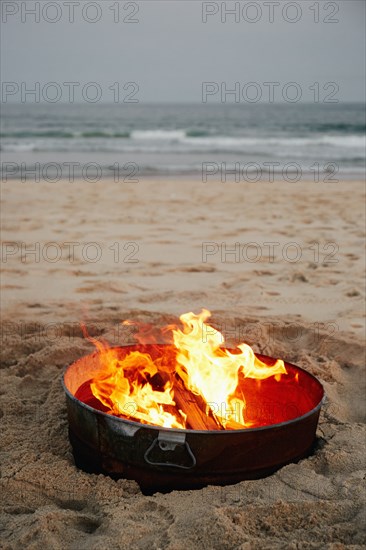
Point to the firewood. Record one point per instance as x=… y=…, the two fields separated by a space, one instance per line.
x=194 y=407
x=232 y=425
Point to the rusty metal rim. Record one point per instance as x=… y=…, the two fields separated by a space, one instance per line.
x=211 y=432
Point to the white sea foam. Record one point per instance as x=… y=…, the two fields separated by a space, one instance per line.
x=150 y=135
x=18 y=147
x=345 y=141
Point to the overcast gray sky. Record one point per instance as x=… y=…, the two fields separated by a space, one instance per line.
x=170 y=51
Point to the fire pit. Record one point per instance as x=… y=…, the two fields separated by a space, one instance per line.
x=189 y=413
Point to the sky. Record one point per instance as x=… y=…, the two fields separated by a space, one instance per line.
x=170 y=48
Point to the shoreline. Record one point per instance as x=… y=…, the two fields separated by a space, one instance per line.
x=76 y=167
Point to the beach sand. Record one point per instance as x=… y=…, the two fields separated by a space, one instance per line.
x=280 y=266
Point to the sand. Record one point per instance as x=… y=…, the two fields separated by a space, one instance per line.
x=307 y=309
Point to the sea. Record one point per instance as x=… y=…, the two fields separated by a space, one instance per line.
x=128 y=141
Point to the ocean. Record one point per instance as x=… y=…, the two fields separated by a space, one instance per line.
x=132 y=140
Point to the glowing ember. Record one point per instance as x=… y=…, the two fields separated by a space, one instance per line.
x=193 y=384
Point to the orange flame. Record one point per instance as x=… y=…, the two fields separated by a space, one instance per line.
x=213 y=372
x=145 y=389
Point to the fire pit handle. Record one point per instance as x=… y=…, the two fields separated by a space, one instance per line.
x=168 y=442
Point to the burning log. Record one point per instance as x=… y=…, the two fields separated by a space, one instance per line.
x=194 y=406
x=232 y=425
